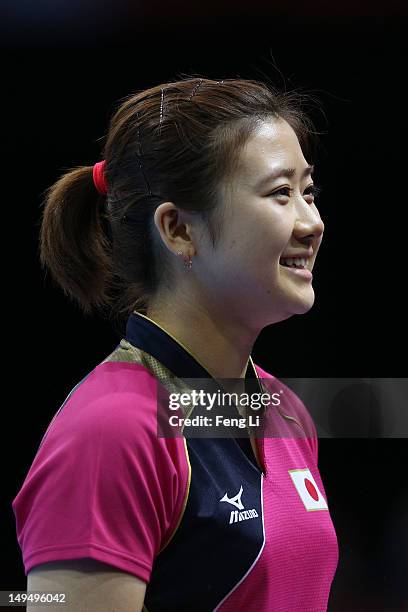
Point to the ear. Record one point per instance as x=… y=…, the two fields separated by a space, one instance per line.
x=174 y=228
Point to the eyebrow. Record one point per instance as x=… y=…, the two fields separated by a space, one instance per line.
x=286 y=172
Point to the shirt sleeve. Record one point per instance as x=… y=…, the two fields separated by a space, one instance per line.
x=103 y=485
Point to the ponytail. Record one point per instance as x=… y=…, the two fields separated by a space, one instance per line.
x=74 y=239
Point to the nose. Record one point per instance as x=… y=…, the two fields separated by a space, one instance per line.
x=311 y=229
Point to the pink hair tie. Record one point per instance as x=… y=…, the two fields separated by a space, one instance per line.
x=99 y=177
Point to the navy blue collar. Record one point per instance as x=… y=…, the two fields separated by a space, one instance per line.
x=146 y=334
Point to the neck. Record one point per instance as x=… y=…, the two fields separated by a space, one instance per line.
x=220 y=344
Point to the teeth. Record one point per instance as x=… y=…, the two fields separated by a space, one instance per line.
x=298 y=262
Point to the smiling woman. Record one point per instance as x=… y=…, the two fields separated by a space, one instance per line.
x=218 y=174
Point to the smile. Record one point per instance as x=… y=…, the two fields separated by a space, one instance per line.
x=296 y=262
x=301 y=272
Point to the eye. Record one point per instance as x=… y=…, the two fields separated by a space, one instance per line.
x=313 y=190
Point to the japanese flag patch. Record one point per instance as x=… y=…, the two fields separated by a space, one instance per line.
x=308 y=490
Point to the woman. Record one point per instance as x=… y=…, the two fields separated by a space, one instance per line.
x=205 y=230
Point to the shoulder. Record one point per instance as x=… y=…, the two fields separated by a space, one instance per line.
x=114 y=395
x=130 y=484
x=110 y=421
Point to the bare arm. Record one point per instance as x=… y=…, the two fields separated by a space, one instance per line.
x=89 y=585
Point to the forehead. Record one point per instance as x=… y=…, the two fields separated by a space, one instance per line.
x=273 y=144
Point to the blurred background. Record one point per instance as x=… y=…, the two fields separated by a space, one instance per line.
x=64 y=67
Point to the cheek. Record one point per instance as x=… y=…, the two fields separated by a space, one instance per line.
x=255 y=256
x=274 y=228
x=252 y=246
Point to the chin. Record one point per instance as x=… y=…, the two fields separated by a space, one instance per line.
x=301 y=304
x=303 y=307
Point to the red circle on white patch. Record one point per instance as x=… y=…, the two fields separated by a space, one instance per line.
x=311 y=489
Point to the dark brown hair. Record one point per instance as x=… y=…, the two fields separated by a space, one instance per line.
x=179 y=142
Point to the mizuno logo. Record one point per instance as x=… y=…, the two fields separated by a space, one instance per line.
x=235 y=501
x=236 y=516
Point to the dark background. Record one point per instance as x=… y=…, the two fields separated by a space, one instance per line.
x=64 y=66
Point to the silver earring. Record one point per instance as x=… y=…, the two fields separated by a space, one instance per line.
x=188 y=263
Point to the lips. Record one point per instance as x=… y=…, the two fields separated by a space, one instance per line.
x=299 y=254
x=300 y=272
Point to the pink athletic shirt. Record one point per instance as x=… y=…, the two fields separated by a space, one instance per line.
x=196 y=519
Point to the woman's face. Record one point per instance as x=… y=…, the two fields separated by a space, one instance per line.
x=265 y=219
